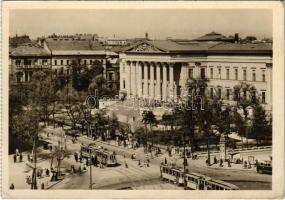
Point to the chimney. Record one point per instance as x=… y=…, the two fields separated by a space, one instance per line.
x=236 y=38
x=146 y=35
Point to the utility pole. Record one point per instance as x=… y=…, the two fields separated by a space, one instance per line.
x=90 y=184
x=34 y=175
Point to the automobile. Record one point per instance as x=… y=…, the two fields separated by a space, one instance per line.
x=264 y=167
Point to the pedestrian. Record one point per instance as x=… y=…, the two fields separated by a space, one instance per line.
x=221 y=163
x=215 y=160
x=229 y=163
x=21 y=157
x=15 y=158
x=79 y=169
x=17 y=152
x=12 y=187
x=139 y=163
x=165 y=161
x=245 y=164
x=43 y=186
x=126 y=165
x=80 y=159
x=47 y=172
x=75 y=156
x=47 y=134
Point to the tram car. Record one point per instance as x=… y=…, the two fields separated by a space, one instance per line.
x=196 y=181
x=172 y=174
x=192 y=180
x=214 y=184
x=103 y=156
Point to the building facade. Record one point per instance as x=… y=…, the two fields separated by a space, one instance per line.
x=25 y=59
x=160 y=69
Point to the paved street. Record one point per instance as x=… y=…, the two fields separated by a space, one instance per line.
x=135 y=177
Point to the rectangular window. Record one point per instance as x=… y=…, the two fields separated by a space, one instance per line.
x=203 y=73
x=142 y=72
x=253 y=76
x=212 y=93
x=61 y=62
x=67 y=71
x=263 y=76
x=220 y=73
x=228 y=94
x=85 y=62
x=211 y=72
x=124 y=69
x=220 y=93
x=67 y=62
x=244 y=74
x=263 y=97
x=18 y=62
x=124 y=84
x=90 y=62
x=228 y=74
x=190 y=73
x=44 y=62
x=55 y=62
x=27 y=62
x=236 y=74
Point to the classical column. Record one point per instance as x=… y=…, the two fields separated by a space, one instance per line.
x=145 y=90
x=128 y=79
x=122 y=63
x=171 y=81
x=139 y=79
x=158 y=82
x=164 y=81
x=151 y=87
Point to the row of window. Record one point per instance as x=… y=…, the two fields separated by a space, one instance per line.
x=228 y=75
x=67 y=62
x=218 y=93
x=31 y=61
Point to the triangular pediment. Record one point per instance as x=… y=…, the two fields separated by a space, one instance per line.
x=144 y=47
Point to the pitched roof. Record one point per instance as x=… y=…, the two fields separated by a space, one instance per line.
x=18 y=40
x=167 y=46
x=213 y=36
x=55 y=44
x=29 y=50
x=242 y=48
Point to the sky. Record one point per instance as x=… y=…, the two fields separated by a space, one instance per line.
x=159 y=24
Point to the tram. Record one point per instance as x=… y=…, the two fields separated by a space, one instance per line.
x=192 y=180
x=103 y=156
x=174 y=175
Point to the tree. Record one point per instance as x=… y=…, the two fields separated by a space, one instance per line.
x=261 y=126
x=148 y=118
x=246 y=98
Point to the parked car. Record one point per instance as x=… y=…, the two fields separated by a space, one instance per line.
x=264 y=167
